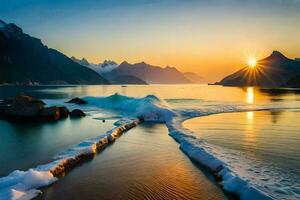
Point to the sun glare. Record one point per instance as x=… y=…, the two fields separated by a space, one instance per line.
x=252 y=62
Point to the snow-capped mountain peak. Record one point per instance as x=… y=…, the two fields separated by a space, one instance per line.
x=105 y=67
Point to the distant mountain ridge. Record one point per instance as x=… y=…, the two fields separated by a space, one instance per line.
x=149 y=73
x=106 y=66
x=140 y=73
x=275 y=70
x=25 y=60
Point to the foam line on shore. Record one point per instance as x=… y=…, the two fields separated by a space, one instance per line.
x=24 y=185
x=196 y=150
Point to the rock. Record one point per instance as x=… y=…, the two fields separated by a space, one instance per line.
x=21 y=107
x=63 y=112
x=77 y=113
x=5 y=102
x=50 y=114
x=77 y=101
x=25 y=108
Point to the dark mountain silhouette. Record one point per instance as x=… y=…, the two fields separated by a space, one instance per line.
x=83 y=61
x=25 y=59
x=275 y=70
x=149 y=73
x=293 y=82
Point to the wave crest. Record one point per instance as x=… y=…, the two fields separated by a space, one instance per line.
x=149 y=108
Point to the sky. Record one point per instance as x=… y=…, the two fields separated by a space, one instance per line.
x=211 y=38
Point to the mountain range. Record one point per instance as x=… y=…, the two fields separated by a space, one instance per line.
x=107 y=66
x=140 y=73
x=101 y=68
x=149 y=73
x=25 y=60
x=275 y=70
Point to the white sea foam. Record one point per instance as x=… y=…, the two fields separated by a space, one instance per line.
x=150 y=108
x=198 y=151
x=23 y=185
x=246 y=177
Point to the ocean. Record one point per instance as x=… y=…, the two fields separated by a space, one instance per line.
x=247 y=137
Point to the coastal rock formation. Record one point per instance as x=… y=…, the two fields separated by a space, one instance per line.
x=77 y=113
x=50 y=114
x=78 y=101
x=275 y=70
x=25 y=108
x=21 y=107
x=63 y=112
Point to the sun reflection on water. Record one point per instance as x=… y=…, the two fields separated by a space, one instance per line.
x=250 y=95
x=250 y=135
x=250 y=117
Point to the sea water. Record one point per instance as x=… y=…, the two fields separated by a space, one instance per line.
x=170 y=105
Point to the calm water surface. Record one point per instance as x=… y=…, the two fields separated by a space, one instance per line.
x=27 y=145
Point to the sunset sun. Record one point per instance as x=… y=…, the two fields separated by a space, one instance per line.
x=252 y=62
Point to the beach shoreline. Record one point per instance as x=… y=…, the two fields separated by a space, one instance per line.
x=147 y=170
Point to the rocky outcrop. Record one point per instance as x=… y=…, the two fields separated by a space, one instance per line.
x=77 y=113
x=25 y=108
x=78 y=101
x=50 y=114
x=63 y=112
x=21 y=107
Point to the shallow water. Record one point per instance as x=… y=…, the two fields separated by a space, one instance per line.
x=145 y=163
x=267 y=141
x=27 y=145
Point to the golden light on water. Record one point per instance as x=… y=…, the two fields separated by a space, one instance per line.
x=250 y=95
x=250 y=117
x=250 y=134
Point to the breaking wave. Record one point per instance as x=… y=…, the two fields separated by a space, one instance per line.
x=150 y=108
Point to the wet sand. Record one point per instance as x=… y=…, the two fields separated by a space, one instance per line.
x=144 y=163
